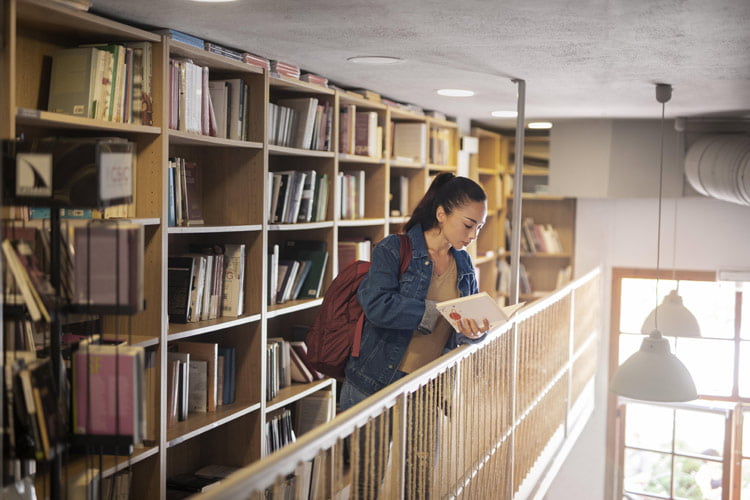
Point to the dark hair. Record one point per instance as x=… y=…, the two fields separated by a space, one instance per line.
x=448 y=191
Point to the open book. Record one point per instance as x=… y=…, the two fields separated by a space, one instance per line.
x=477 y=307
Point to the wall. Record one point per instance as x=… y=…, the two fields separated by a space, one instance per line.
x=622 y=233
x=620 y=159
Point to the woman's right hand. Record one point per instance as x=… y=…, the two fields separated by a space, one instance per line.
x=471 y=329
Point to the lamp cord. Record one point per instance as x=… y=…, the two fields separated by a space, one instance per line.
x=658 y=225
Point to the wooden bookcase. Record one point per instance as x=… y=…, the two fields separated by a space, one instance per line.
x=234 y=198
x=493 y=167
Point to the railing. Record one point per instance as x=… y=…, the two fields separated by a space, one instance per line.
x=492 y=420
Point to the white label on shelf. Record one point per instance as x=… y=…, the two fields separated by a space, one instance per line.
x=116 y=175
x=34 y=175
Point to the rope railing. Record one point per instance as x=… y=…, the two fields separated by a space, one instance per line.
x=483 y=421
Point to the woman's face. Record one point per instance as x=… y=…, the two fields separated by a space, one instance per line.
x=462 y=226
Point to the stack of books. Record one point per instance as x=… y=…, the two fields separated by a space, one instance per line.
x=281 y=68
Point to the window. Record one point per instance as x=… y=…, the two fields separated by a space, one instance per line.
x=691 y=450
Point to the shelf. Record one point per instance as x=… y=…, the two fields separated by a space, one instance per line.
x=179 y=331
x=214 y=61
x=541 y=255
x=399 y=114
x=46 y=16
x=406 y=164
x=111 y=464
x=441 y=123
x=489 y=257
x=38 y=118
x=303 y=226
x=199 y=423
x=401 y=219
x=292 y=306
x=194 y=139
x=441 y=168
x=360 y=222
x=214 y=229
x=275 y=150
x=346 y=98
x=295 y=392
x=489 y=171
x=293 y=85
x=543 y=197
x=345 y=158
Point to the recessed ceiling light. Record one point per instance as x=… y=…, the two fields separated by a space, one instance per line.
x=374 y=59
x=539 y=125
x=504 y=114
x=455 y=92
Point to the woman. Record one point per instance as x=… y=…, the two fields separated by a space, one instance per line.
x=403 y=329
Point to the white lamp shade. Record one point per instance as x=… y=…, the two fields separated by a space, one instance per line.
x=675 y=320
x=654 y=374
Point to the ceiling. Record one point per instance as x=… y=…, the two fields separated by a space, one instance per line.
x=579 y=58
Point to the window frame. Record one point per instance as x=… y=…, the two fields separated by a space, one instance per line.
x=615 y=439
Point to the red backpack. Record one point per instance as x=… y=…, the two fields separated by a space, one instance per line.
x=336 y=332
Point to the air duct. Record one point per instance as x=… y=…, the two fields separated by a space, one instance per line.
x=718 y=166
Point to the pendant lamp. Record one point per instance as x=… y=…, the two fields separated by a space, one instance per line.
x=675 y=320
x=654 y=373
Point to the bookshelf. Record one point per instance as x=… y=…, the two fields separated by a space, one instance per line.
x=235 y=205
x=546 y=267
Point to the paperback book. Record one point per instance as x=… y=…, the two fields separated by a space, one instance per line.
x=477 y=307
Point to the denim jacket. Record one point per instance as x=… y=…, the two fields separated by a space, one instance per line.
x=395 y=307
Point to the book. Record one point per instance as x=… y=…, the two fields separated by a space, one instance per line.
x=229 y=354
x=180 y=277
x=315 y=251
x=300 y=349
x=308 y=194
x=182 y=382
x=305 y=108
x=36 y=308
x=219 y=91
x=234 y=280
x=192 y=175
x=191 y=483
x=209 y=353
x=73 y=82
x=198 y=388
x=181 y=37
x=314 y=410
x=173 y=384
x=410 y=142
x=477 y=307
x=399 y=196
x=365 y=133
x=109 y=266
x=108 y=391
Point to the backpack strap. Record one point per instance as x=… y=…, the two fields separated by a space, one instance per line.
x=405 y=251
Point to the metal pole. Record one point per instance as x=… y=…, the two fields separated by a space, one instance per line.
x=515 y=243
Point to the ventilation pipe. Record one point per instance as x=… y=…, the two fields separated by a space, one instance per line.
x=718 y=166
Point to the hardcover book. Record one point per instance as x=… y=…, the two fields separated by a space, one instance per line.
x=108 y=391
x=108 y=268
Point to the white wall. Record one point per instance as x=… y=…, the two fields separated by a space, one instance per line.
x=711 y=234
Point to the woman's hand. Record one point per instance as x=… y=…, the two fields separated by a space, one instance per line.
x=470 y=329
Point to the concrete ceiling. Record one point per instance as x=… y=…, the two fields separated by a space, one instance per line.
x=579 y=58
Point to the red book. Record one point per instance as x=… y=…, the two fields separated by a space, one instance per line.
x=108 y=391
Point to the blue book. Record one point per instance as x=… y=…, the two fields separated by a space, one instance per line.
x=171 y=218
x=65 y=213
x=229 y=382
x=182 y=37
